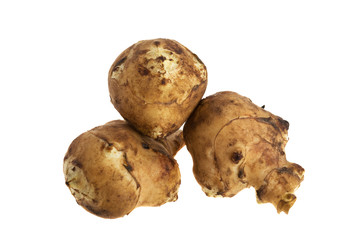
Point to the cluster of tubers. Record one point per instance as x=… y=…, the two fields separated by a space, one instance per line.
x=157 y=86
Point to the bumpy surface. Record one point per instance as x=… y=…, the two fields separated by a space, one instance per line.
x=236 y=144
x=156 y=84
x=112 y=169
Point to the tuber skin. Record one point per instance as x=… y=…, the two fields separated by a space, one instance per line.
x=235 y=145
x=112 y=169
x=156 y=84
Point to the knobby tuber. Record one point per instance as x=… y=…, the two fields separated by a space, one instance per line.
x=236 y=144
x=156 y=84
x=112 y=169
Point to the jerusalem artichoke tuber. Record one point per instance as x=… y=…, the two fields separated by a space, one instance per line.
x=236 y=144
x=156 y=84
x=113 y=169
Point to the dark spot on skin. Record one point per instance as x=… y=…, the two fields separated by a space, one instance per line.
x=261 y=192
x=171 y=59
x=285 y=170
x=142 y=51
x=145 y=145
x=268 y=120
x=163 y=81
x=174 y=125
x=232 y=142
x=236 y=157
x=118 y=63
x=241 y=173
x=217 y=110
x=109 y=147
x=161 y=58
x=77 y=163
x=173 y=47
x=167 y=168
x=220 y=193
x=143 y=71
x=128 y=167
x=67 y=183
x=157 y=43
x=263 y=106
x=178 y=50
x=197 y=58
x=73 y=169
x=283 y=123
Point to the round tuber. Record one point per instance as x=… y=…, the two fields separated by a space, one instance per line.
x=112 y=169
x=156 y=84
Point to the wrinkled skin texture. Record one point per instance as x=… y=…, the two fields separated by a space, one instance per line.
x=156 y=84
x=112 y=169
x=236 y=144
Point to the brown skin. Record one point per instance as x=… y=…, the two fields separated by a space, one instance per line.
x=236 y=144
x=156 y=84
x=113 y=169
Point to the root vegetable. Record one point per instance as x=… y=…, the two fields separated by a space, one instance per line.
x=156 y=84
x=236 y=144
x=112 y=169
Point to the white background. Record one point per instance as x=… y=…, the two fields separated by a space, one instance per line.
x=299 y=58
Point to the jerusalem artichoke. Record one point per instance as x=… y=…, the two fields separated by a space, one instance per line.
x=236 y=144
x=113 y=169
x=156 y=84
